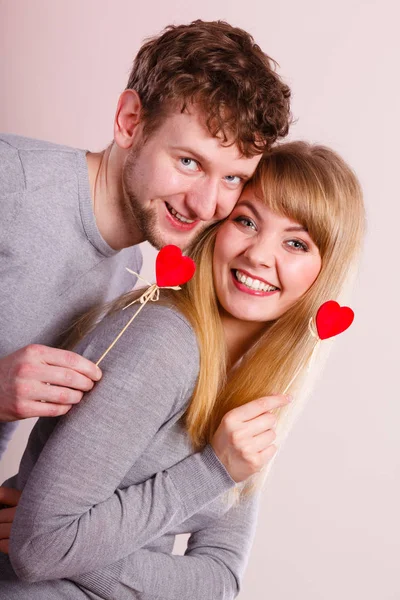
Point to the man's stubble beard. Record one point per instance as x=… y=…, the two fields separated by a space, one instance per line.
x=143 y=219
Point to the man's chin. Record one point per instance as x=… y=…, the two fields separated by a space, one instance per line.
x=159 y=242
x=182 y=240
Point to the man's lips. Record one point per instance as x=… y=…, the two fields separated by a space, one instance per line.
x=178 y=223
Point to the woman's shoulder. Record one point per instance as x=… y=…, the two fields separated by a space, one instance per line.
x=154 y=321
x=160 y=333
x=155 y=313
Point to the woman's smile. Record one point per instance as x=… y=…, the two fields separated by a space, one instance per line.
x=249 y=284
x=263 y=261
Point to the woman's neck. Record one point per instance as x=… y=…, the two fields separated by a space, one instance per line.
x=240 y=336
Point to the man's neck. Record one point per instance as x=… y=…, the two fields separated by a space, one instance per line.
x=108 y=201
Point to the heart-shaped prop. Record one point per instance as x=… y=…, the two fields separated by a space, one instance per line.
x=332 y=319
x=172 y=268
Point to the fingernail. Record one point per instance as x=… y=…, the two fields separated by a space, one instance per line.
x=289 y=397
x=98 y=373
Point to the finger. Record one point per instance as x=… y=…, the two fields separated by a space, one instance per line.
x=253 y=409
x=5 y=530
x=7 y=515
x=9 y=496
x=44 y=409
x=259 y=424
x=4 y=546
x=65 y=358
x=71 y=360
x=268 y=453
x=63 y=377
x=56 y=394
x=263 y=440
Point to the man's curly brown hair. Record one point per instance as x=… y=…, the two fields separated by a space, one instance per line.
x=220 y=68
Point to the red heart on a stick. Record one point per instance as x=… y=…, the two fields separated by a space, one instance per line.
x=332 y=319
x=172 y=268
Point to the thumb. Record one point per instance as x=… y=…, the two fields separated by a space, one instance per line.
x=9 y=496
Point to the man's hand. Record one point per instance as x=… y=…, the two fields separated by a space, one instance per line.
x=38 y=381
x=9 y=497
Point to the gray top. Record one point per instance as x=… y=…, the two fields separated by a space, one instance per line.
x=54 y=263
x=109 y=485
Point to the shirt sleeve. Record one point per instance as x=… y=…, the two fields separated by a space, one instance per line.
x=72 y=518
x=212 y=568
x=12 y=184
x=6 y=432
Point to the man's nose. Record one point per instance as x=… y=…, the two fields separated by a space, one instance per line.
x=202 y=199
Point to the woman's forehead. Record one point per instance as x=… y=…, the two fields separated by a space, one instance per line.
x=263 y=206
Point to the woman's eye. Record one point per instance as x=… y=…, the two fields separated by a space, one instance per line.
x=246 y=222
x=298 y=245
x=189 y=163
x=235 y=179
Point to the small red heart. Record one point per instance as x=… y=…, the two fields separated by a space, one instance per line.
x=332 y=319
x=172 y=268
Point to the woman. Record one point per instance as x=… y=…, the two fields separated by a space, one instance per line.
x=171 y=440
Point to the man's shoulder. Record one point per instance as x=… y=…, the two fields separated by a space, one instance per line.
x=10 y=142
x=27 y=163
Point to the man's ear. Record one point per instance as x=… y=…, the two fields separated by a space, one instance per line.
x=127 y=118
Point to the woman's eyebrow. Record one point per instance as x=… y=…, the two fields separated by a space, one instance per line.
x=249 y=205
x=297 y=228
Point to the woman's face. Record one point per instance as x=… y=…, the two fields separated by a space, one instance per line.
x=263 y=262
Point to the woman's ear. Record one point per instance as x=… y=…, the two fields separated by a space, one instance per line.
x=127 y=118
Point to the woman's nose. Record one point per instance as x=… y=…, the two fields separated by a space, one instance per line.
x=261 y=253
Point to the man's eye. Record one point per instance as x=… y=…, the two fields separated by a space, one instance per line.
x=246 y=222
x=298 y=245
x=189 y=163
x=235 y=179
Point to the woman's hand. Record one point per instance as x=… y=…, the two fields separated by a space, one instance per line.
x=9 y=497
x=243 y=440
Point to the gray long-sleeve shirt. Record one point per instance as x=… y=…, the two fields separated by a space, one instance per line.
x=108 y=487
x=54 y=263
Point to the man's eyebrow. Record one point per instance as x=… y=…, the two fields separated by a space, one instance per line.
x=186 y=150
x=204 y=160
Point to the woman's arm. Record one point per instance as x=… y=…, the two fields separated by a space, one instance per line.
x=211 y=569
x=71 y=517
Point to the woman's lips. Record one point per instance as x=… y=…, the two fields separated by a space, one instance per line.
x=243 y=288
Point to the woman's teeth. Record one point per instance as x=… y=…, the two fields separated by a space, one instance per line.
x=178 y=216
x=254 y=284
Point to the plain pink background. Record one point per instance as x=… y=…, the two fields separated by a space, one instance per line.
x=328 y=525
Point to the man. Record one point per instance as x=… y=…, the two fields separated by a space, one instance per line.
x=201 y=105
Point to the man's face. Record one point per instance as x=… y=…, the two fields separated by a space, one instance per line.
x=182 y=179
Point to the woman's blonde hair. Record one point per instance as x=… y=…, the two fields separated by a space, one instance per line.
x=312 y=185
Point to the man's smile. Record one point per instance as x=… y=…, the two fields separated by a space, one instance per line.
x=178 y=220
